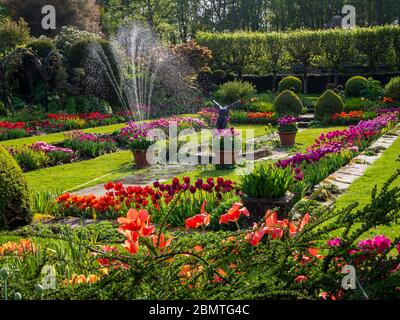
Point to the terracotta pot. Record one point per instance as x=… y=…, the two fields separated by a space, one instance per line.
x=259 y=206
x=225 y=158
x=140 y=158
x=288 y=139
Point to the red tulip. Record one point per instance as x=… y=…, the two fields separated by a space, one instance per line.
x=234 y=214
x=161 y=243
x=138 y=221
x=199 y=220
x=131 y=242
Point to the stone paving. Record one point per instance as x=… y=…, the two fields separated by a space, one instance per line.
x=344 y=177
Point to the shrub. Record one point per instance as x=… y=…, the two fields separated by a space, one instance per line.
x=92 y=104
x=12 y=34
x=15 y=207
x=288 y=102
x=266 y=181
x=354 y=104
x=355 y=86
x=373 y=91
x=290 y=83
x=235 y=90
x=392 y=89
x=329 y=103
x=42 y=46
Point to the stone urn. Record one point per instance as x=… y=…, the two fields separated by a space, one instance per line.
x=259 y=206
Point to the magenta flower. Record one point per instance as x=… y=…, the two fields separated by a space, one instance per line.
x=381 y=243
x=398 y=248
x=335 y=242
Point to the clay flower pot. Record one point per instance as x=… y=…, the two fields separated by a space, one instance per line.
x=141 y=158
x=288 y=139
x=226 y=158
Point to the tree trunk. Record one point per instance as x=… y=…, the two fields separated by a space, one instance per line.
x=305 y=80
x=274 y=76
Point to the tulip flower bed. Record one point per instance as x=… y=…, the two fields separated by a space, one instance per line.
x=41 y=155
x=210 y=115
x=356 y=138
x=277 y=259
x=135 y=129
x=180 y=199
x=59 y=123
x=89 y=145
x=241 y=117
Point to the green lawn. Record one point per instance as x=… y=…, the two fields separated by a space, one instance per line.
x=88 y=173
x=377 y=174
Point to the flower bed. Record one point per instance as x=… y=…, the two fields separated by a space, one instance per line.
x=299 y=257
x=180 y=199
x=59 y=123
x=41 y=155
x=241 y=117
x=136 y=129
x=89 y=145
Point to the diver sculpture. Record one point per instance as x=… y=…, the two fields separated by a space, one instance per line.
x=223 y=114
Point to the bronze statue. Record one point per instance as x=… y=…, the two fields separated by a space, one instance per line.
x=223 y=114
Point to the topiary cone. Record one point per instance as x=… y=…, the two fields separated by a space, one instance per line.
x=15 y=205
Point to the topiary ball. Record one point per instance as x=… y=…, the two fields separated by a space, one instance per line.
x=290 y=83
x=288 y=102
x=355 y=86
x=392 y=89
x=15 y=205
x=328 y=104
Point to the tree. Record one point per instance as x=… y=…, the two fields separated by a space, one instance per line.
x=303 y=47
x=338 y=49
x=83 y=14
x=12 y=34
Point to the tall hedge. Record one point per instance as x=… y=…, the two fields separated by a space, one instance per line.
x=15 y=206
x=253 y=52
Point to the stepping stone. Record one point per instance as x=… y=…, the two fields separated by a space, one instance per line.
x=354 y=169
x=367 y=159
x=340 y=185
x=344 y=178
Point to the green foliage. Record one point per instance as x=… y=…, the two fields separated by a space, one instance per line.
x=42 y=46
x=392 y=89
x=12 y=34
x=260 y=53
x=15 y=206
x=29 y=159
x=288 y=102
x=373 y=91
x=329 y=103
x=354 y=104
x=290 y=83
x=87 y=104
x=355 y=86
x=233 y=91
x=266 y=181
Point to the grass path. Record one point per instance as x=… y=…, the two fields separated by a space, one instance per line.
x=377 y=174
x=118 y=165
x=108 y=167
